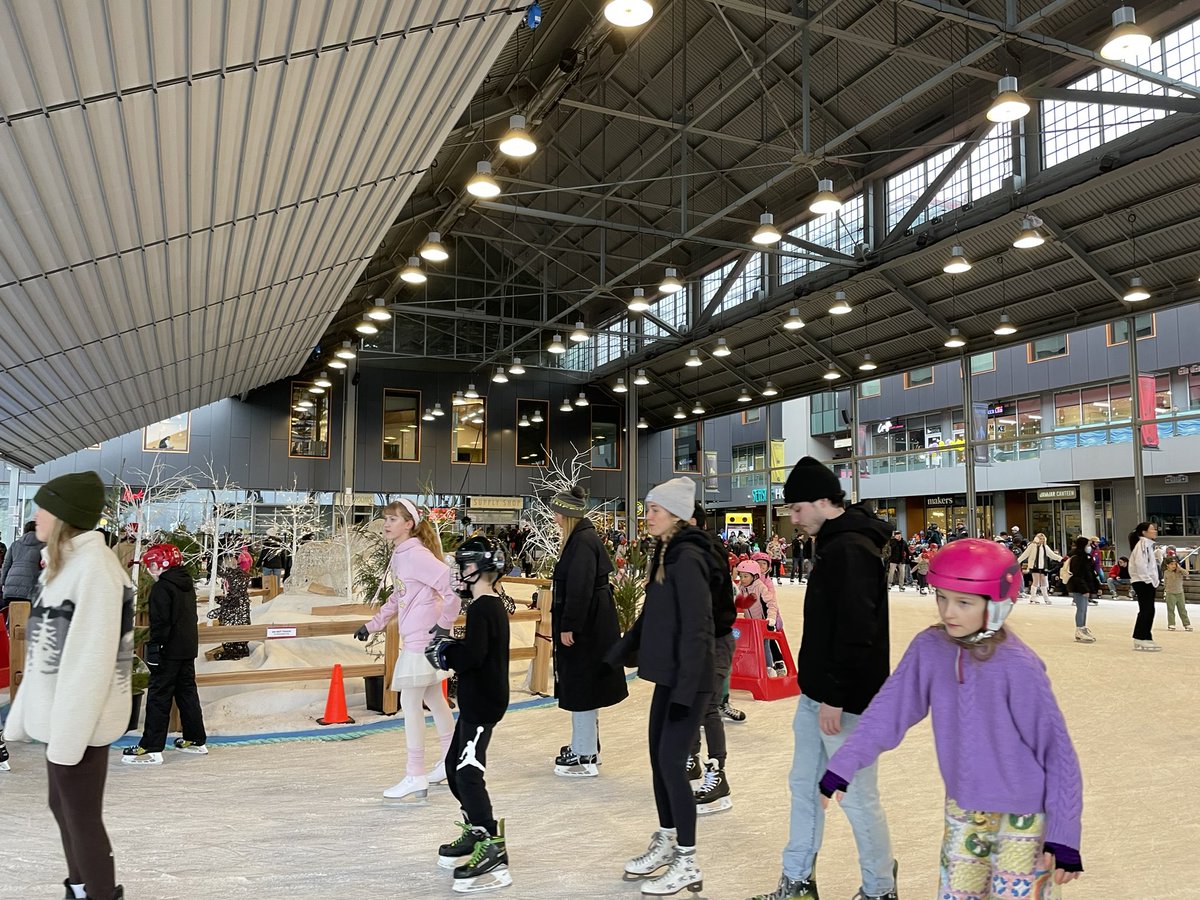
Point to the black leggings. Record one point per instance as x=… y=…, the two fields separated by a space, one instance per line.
x=1145 y=617
x=77 y=801
x=466 y=764
x=670 y=742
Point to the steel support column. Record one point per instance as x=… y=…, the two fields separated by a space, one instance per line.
x=855 y=477
x=631 y=457
x=1135 y=418
x=969 y=446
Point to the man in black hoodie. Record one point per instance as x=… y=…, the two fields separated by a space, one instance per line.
x=842 y=664
x=171 y=655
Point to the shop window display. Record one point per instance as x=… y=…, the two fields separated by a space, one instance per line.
x=308 y=429
x=168 y=436
x=401 y=426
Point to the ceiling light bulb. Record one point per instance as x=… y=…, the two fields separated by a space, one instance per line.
x=693 y=359
x=458 y=399
x=582 y=399
x=428 y=417
x=438 y=412
x=793 y=322
x=336 y=363
x=619 y=387
x=868 y=364
x=366 y=326
x=346 y=351
x=1008 y=105
x=524 y=423
x=322 y=380
x=433 y=249
x=698 y=409
x=671 y=283
x=840 y=305
x=579 y=335
x=556 y=345
x=767 y=233
x=412 y=273
x=825 y=201
x=516 y=368
x=1005 y=326
x=378 y=310
x=638 y=303
x=770 y=390
x=958 y=262
x=831 y=374
x=537 y=417
x=955 y=338
x=1126 y=41
x=722 y=348
x=679 y=413
x=640 y=378
x=1137 y=290
x=482 y=184
x=566 y=405
x=628 y=13
x=744 y=396
x=518 y=142
x=1029 y=237
x=642 y=423
x=471 y=393
x=500 y=377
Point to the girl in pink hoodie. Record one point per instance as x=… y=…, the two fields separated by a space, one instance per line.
x=423 y=605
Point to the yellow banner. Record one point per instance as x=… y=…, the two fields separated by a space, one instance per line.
x=733 y=519
x=778 y=462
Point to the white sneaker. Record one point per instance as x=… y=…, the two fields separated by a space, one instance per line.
x=413 y=787
x=437 y=774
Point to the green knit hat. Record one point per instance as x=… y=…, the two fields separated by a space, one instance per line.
x=77 y=499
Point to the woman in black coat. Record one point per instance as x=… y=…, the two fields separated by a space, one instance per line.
x=1082 y=585
x=584 y=622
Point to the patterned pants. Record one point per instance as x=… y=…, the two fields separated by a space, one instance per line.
x=989 y=856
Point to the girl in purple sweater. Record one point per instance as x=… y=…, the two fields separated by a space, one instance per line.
x=1014 y=792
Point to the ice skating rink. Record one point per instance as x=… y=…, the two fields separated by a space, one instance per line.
x=306 y=819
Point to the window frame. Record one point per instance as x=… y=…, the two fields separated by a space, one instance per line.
x=383 y=421
x=971 y=362
x=545 y=425
x=909 y=386
x=695 y=426
x=1029 y=351
x=616 y=438
x=1110 y=335
x=862 y=388
x=746 y=420
x=291 y=414
x=455 y=412
x=187 y=429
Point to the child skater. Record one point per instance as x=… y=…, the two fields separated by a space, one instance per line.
x=1014 y=792
x=423 y=605
x=234 y=606
x=479 y=855
x=774 y=621
x=1173 y=575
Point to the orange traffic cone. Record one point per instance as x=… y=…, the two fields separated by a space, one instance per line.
x=335 y=705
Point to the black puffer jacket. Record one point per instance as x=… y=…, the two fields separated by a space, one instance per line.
x=1083 y=578
x=22 y=568
x=173 y=616
x=720 y=585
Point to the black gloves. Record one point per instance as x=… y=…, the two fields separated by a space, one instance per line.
x=362 y=634
x=439 y=632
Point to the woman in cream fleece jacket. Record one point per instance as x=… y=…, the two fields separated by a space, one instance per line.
x=75 y=697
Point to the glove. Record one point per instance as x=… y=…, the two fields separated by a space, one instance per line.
x=362 y=634
x=771 y=624
x=439 y=632
x=677 y=712
x=436 y=652
x=153 y=654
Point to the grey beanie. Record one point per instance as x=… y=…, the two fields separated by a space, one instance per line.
x=677 y=496
x=572 y=503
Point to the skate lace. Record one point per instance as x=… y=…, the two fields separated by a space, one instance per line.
x=656 y=844
x=481 y=848
x=710 y=780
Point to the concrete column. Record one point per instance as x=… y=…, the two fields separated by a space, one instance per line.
x=999 y=514
x=1087 y=508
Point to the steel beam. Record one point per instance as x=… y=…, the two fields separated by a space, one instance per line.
x=1189 y=105
x=1073 y=246
x=920 y=306
x=706 y=311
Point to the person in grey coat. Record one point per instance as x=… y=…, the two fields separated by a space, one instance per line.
x=22 y=567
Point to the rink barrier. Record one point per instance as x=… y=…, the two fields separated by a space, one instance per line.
x=18 y=627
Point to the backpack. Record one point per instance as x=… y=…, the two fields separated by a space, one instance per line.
x=1064 y=571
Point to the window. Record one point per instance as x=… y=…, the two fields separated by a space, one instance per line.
x=168 y=436
x=308 y=434
x=468 y=436
x=1047 y=348
x=711 y=283
x=1118 y=331
x=401 y=426
x=671 y=309
x=1166 y=511
x=611 y=344
x=744 y=286
x=1011 y=419
x=747 y=458
x=750 y=416
x=983 y=362
x=872 y=388
x=841 y=231
x=916 y=378
x=578 y=357
x=606 y=436
x=687 y=448
x=825 y=415
x=532 y=438
x=1066 y=409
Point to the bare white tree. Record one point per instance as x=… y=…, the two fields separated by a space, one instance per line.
x=137 y=499
x=557 y=476
x=226 y=507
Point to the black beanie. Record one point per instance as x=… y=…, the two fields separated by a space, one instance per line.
x=77 y=499
x=809 y=481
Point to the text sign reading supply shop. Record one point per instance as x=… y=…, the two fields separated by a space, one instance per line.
x=281 y=632
x=1058 y=494
x=495 y=503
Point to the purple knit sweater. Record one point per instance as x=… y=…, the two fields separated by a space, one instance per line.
x=1002 y=743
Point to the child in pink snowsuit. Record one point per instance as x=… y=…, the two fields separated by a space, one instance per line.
x=774 y=620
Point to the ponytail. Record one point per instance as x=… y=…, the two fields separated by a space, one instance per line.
x=429 y=538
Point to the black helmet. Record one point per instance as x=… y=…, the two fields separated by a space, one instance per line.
x=485 y=552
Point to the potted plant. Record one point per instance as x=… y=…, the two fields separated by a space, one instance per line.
x=629 y=585
x=139 y=682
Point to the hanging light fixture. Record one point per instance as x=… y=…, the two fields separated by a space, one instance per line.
x=579 y=335
x=537 y=418
x=831 y=374
x=698 y=409
x=433 y=249
x=619 y=387
x=693 y=359
x=955 y=339
x=1137 y=291
x=482 y=184
x=556 y=345
x=671 y=283
x=642 y=423
x=323 y=381
x=500 y=377
x=722 y=348
x=770 y=390
x=336 y=363
x=458 y=399
x=840 y=305
x=628 y=13
x=744 y=396
x=767 y=233
x=868 y=364
x=825 y=201
x=1009 y=105
x=1029 y=235
x=378 y=311
x=566 y=405
x=640 y=379
x=524 y=423
x=1126 y=41
x=517 y=142
x=582 y=399
x=438 y=412
x=346 y=351
x=516 y=368
x=305 y=404
x=412 y=273
x=793 y=322
x=1005 y=326
x=638 y=303
x=958 y=262
x=679 y=413
x=471 y=393
x=366 y=326
x=428 y=417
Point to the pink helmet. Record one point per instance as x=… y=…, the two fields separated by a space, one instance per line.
x=759 y=555
x=979 y=567
x=747 y=567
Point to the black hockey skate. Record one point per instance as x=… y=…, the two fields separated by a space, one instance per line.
x=713 y=794
x=4 y=767
x=452 y=854
x=733 y=715
x=487 y=869
x=569 y=764
x=695 y=771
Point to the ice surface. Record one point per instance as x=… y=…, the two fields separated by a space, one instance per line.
x=306 y=819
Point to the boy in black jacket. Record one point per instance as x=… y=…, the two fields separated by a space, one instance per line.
x=171 y=656
x=478 y=856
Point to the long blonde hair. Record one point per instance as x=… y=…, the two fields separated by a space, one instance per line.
x=56 y=547
x=423 y=531
x=567 y=528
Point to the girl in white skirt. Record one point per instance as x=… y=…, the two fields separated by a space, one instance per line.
x=423 y=606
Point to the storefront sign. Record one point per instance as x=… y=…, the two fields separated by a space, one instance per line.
x=946 y=500
x=1059 y=494
x=759 y=495
x=494 y=517
x=495 y=503
x=841 y=443
x=733 y=520
x=1175 y=479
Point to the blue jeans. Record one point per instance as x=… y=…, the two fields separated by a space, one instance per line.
x=585 y=732
x=1113 y=582
x=1081 y=605
x=861 y=804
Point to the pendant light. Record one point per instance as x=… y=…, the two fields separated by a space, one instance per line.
x=556 y=345
x=566 y=406
x=336 y=363
x=458 y=399
x=693 y=359
x=793 y=322
x=722 y=348
x=619 y=387
x=638 y=303
x=698 y=409
x=482 y=184
x=537 y=418
x=868 y=364
x=524 y=423
x=323 y=381
x=500 y=377
x=305 y=404
x=1137 y=291
x=1008 y=105
x=517 y=142
x=428 y=417
x=831 y=374
x=1126 y=41
x=433 y=249
x=1005 y=326
x=955 y=339
x=582 y=399
x=471 y=393
x=438 y=412
x=346 y=351
x=767 y=233
x=640 y=378
x=412 y=273
x=770 y=390
x=671 y=283
x=366 y=326
x=642 y=423
x=378 y=311
x=628 y=13
x=679 y=413
x=958 y=262
x=516 y=368
x=744 y=396
x=579 y=335
x=825 y=201
x=840 y=305
x=1029 y=235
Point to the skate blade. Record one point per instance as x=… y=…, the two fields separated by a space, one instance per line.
x=705 y=809
x=635 y=876
x=140 y=761
x=494 y=880
x=695 y=887
x=4 y=767
x=419 y=798
x=195 y=751
x=575 y=772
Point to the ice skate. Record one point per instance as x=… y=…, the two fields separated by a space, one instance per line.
x=138 y=756
x=695 y=771
x=571 y=765
x=1147 y=646
x=1084 y=636
x=437 y=774
x=780 y=669
x=713 y=794
x=413 y=788
x=660 y=852
x=792 y=889
x=733 y=715
x=1170 y=628
x=682 y=874
x=4 y=767
x=191 y=747
x=487 y=869
x=1188 y=628
x=890 y=895
x=451 y=855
